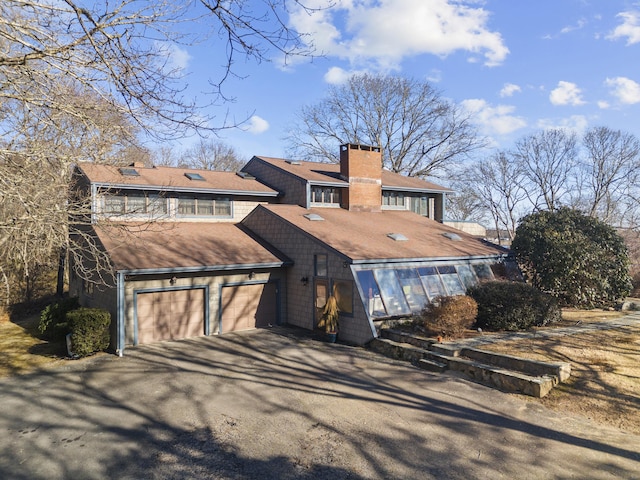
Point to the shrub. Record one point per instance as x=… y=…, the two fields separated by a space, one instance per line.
x=576 y=258
x=449 y=316
x=52 y=325
x=89 y=330
x=512 y=306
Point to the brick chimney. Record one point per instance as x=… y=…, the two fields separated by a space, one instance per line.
x=361 y=166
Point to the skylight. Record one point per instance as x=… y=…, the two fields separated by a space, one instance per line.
x=452 y=236
x=129 y=171
x=314 y=217
x=245 y=175
x=292 y=162
x=398 y=237
x=194 y=176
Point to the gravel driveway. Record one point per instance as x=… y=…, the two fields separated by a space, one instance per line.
x=270 y=404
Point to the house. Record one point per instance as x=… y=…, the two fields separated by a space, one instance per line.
x=199 y=252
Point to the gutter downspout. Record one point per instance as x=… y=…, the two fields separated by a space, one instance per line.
x=120 y=319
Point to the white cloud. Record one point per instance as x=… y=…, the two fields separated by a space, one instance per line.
x=624 y=89
x=575 y=123
x=494 y=119
x=566 y=93
x=509 y=89
x=578 y=26
x=177 y=58
x=604 y=105
x=257 y=125
x=434 y=76
x=384 y=32
x=338 y=76
x=629 y=29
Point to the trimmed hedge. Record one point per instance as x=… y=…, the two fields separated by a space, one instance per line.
x=512 y=306
x=449 y=316
x=89 y=330
x=53 y=323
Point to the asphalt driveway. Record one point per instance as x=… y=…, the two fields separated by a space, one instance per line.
x=266 y=404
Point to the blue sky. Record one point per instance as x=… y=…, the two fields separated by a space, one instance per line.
x=518 y=65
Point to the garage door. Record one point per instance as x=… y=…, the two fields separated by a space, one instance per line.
x=248 y=306
x=170 y=315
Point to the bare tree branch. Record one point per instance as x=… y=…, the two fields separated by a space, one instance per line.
x=419 y=132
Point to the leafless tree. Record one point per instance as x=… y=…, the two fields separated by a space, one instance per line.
x=611 y=169
x=547 y=159
x=211 y=155
x=420 y=133
x=464 y=204
x=496 y=183
x=121 y=50
x=78 y=79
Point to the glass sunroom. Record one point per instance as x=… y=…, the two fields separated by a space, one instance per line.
x=405 y=289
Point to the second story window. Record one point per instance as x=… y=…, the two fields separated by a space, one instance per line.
x=134 y=204
x=393 y=199
x=325 y=196
x=204 y=206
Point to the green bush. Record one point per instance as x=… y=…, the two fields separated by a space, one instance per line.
x=89 y=330
x=512 y=306
x=449 y=316
x=576 y=258
x=52 y=323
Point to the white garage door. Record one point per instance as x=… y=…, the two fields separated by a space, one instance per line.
x=248 y=306
x=170 y=315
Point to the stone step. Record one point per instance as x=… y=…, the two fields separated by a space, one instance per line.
x=503 y=379
x=504 y=372
x=432 y=365
x=397 y=350
x=560 y=370
x=405 y=337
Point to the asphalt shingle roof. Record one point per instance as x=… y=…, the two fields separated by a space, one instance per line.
x=186 y=245
x=330 y=172
x=363 y=236
x=174 y=178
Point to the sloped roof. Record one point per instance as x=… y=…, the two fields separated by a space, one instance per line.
x=174 y=178
x=363 y=237
x=185 y=246
x=316 y=172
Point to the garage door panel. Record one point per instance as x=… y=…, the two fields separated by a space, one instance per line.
x=266 y=309
x=246 y=307
x=170 y=315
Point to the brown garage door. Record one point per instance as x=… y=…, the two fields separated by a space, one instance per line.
x=170 y=315
x=248 y=306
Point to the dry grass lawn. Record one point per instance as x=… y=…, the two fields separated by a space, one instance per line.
x=605 y=370
x=21 y=350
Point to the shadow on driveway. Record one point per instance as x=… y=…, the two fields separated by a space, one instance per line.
x=270 y=404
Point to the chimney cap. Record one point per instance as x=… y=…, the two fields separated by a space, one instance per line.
x=357 y=146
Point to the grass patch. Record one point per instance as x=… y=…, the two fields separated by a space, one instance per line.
x=605 y=373
x=22 y=350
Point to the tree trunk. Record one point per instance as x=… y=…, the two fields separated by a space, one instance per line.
x=62 y=262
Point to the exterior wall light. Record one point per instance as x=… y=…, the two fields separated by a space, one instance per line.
x=304 y=281
x=173 y=280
